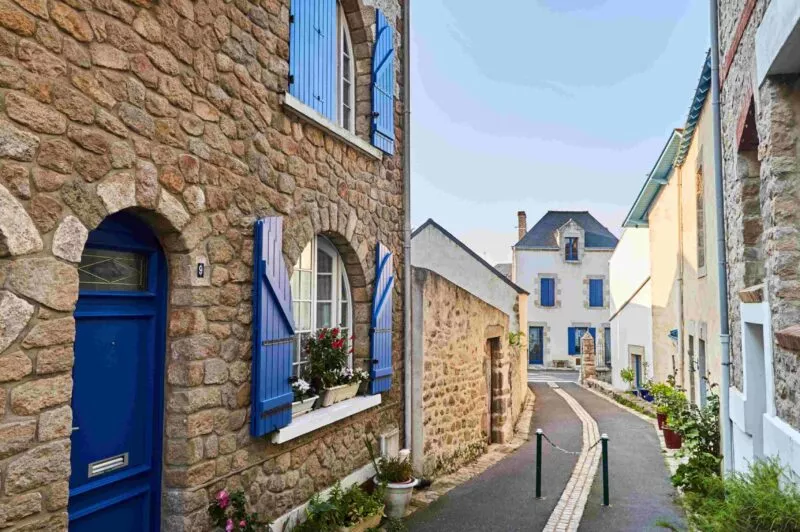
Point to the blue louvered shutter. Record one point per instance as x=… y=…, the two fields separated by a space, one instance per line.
x=312 y=54
x=593 y=332
x=595 y=292
x=380 y=332
x=571 y=341
x=273 y=331
x=383 y=86
x=547 y=289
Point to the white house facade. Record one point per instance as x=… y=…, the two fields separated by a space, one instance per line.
x=563 y=262
x=631 y=308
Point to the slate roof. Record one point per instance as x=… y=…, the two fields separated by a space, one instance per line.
x=543 y=234
x=459 y=243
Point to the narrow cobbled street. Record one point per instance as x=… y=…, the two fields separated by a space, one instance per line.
x=503 y=497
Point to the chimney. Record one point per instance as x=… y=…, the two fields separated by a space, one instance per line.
x=522 y=224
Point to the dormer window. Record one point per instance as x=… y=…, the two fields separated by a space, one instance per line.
x=571 y=248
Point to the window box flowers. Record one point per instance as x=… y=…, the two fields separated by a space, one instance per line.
x=304 y=398
x=328 y=369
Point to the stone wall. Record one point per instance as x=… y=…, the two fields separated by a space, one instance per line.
x=465 y=354
x=774 y=159
x=172 y=109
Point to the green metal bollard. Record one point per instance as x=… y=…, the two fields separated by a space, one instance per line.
x=604 y=443
x=538 y=463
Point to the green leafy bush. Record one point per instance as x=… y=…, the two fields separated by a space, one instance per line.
x=700 y=430
x=745 y=502
x=394 y=469
x=342 y=508
x=627 y=375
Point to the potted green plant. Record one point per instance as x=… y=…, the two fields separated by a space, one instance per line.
x=304 y=397
x=676 y=408
x=396 y=475
x=351 y=510
x=627 y=376
x=327 y=368
x=661 y=393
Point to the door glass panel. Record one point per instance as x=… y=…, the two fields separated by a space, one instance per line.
x=107 y=270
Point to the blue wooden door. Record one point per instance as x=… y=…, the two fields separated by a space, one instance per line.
x=536 y=345
x=637 y=366
x=117 y=399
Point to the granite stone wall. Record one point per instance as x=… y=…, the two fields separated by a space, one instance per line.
x=172 y=110
x=467 y=360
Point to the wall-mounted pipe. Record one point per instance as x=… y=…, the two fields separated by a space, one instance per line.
x=407 y=369
x=724 y=335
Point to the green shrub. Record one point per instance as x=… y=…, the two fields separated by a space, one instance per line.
x=342 y=508
x=700 y=430
x=745 y=502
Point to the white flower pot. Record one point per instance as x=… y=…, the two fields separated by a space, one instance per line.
x=398 y=495
x=339 y=393
x=303 y=406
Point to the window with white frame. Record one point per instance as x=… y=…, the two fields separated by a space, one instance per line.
x=320 y=296
x=346 y=68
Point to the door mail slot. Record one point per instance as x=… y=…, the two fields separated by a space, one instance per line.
x=101 y=467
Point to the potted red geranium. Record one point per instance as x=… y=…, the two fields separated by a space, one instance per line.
x=327 y=368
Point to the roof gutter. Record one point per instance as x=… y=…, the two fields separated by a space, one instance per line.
x=724 y=335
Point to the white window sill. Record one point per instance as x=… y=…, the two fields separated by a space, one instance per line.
x=308 y=114
x=322 y=417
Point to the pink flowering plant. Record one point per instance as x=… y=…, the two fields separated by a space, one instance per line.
x=228 y=513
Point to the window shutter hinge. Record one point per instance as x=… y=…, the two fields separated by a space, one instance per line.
x=376 y=114
x=291 y=79
x=291 y=19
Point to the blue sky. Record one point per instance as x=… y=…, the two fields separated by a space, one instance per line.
x=544 y=104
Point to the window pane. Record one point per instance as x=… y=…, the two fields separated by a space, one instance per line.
x=112 y=270
x=303 y=316
x=343 y=284
x=343 y=315
x=324 y=318
x=324 y=287
x=305 y=286
x=305 y=258
x=324 y=262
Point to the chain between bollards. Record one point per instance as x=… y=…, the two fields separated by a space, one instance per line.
x=538 y=463
x=604 y=439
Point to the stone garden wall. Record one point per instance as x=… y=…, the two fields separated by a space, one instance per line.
x=458 y=329
x=172 y=109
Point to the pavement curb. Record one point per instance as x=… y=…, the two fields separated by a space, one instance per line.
x=495 y=453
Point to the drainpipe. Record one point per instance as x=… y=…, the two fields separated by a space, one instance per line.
x=681 y=330
x=724 y=335
x=407 y=223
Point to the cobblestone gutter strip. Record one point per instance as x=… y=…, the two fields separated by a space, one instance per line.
x=494 y=454
x=569 y=510
x=624 y=399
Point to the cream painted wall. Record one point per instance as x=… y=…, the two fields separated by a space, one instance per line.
x=664 y=260
x=572 y=294
x=701 y=285
x=629 y=271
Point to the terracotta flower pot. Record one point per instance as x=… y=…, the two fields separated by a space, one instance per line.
x=672 y=439
x=662 y=420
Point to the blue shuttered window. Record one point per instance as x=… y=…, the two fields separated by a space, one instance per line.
x=312 y=54
x=383 y=86
x=547 y=292
x=273 y=331
x=574 y=335
x=595 y=292
x=380 y=332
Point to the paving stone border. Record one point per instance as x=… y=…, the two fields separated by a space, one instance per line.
x=494 y=454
